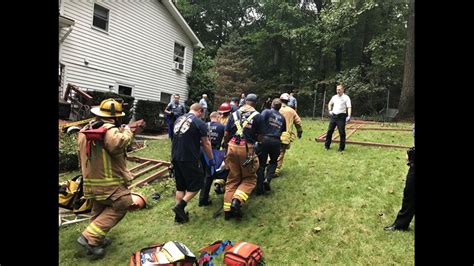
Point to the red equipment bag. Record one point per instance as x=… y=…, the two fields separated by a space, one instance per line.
x=244 y=254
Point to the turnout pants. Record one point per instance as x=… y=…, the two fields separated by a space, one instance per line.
x=283 y=148
x=406 y=213
x=338 y=120
x=269 y=147
x=241 y=179
x=105 y=215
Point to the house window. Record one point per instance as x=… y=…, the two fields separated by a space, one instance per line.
x=125 y=90
x=165 y=97
x=178 y=58
x=101 y=17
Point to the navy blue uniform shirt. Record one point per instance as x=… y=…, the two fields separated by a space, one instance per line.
x=216 y=133
x=187 y=130
x=251 y=131
x=274 y=123
x=176 y=109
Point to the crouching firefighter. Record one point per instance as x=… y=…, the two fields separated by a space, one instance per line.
x=102 y=151
x=242 y=130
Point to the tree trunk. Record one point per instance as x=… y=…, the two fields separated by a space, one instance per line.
x=406 y=105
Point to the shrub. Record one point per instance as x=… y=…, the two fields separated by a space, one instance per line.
x=68 y=157
x=153 y=114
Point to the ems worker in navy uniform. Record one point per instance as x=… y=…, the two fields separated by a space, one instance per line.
x=242 y=130
x=274 y=124
x=340 y=109
x=216 y=134
x=174 y=110
x=189 y=133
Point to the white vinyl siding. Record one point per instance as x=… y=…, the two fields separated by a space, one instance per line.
x=137 y=49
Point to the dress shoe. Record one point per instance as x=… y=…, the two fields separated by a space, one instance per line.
x=394 y=228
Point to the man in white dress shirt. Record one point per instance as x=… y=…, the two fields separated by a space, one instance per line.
x=340 y=109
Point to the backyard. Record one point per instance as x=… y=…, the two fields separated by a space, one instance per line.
x=350 y=196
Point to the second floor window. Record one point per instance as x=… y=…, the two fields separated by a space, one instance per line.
x=178 y=57
x=101 y=17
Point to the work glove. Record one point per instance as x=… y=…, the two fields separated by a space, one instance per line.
x=331 y=113
x=299 y=134
x=348 y=118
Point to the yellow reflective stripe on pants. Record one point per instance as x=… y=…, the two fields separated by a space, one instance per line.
x=93 y=229
x=241 y=195
x=226 y=205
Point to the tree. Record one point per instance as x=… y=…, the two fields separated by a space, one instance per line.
x=406 y=105
x=234 y=77
x=201 y=79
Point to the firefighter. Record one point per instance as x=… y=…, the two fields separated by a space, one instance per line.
x=289 y=136
x=102 y=149
x=224 y=110
x=242 y=130
x=274 y=125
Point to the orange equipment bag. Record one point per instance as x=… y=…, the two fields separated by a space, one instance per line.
x=244 y=254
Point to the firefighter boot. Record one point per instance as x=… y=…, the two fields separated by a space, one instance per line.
x=235 y=208
x=95 y=251
x=228 y=215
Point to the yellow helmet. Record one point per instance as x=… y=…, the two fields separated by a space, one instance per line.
x=108 y=108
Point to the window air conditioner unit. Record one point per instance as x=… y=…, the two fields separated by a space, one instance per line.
x=178 y=66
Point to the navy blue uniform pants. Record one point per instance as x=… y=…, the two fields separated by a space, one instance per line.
x=268 y=147
x=406 y=213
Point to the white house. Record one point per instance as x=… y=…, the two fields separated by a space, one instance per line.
x=140 y=48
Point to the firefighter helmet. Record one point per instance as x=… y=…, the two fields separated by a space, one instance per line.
x=224 y=108
x=139 y=201
x=108 y=108
x=285 y=96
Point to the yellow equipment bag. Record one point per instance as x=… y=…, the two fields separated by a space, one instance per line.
x=71 y=196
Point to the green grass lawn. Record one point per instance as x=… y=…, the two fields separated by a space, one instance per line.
x=350 y=196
